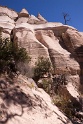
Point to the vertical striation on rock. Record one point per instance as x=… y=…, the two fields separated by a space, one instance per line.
x=62 y=44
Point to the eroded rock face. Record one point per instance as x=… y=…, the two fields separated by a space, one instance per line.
x=41 y=18
x=62 y=44
x=22 y=20
x=26 y=38
x=59 y=56
x=24 y=104
x=45 y=40
x=23 y=13
x=8 y=12
x=33 y=20
x=6 y=19
x=62 y=61
x=72 y=39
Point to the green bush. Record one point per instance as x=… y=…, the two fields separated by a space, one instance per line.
x=42 y=67
x=46 y=84
x=11 y=54
x=65 y=105
x=59 y=80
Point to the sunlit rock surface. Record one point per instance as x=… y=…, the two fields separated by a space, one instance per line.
x=62 y=44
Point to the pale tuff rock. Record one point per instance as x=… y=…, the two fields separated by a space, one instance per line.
x=29 y=105
x=72 y=39
x=48 y=26
x=36 y=20
x=7 y=27
x=41 y=18
x=9 y=12
x=62 y=44
x=25 y=26
x=6 y=19
x=59 y=56
x=23 y=13
x=26 y=38
x=33 y=20
x=23 y=17
x=22 y=20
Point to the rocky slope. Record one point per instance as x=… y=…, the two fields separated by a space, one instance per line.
x=22 y=102
x=62 y=44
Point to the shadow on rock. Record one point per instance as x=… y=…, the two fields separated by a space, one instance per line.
x=12 y=95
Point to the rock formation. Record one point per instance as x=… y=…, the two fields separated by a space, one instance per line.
x=62 y=44
x=41 y=18
x=24 y=103
x=23 y=13
x=8 y=12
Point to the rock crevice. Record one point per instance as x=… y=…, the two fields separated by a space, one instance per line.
x=62 y=44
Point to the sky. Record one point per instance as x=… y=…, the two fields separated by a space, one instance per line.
x=51 y=10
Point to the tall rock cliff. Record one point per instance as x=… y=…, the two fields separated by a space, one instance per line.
x=62 y=44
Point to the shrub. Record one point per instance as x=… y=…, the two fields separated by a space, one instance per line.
x=43 y=66
x=65 y=105
x=11 y=54
x=46 y=84
x=59 y=80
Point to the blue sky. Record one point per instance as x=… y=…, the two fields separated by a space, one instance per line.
x=51 y=9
